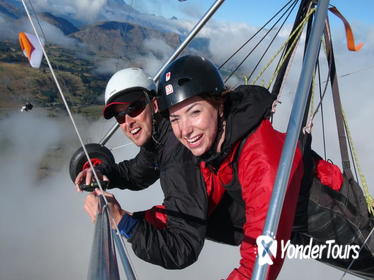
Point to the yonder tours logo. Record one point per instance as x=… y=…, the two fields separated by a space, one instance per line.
x=267 y=250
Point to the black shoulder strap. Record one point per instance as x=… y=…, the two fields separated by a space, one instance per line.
x=234 y=188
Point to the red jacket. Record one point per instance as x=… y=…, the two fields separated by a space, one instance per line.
x=256 y=170
x=248 y=176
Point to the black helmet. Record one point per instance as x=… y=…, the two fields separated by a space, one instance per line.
x=187 y=77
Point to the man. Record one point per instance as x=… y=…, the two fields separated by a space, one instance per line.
x=171 y=235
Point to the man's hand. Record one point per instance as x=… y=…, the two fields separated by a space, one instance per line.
x=91 y=206
x=87 y=177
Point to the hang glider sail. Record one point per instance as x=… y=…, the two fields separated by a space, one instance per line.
x=31 y=48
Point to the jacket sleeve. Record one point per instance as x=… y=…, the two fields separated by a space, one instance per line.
x=134 y=174
x=178 y=243
x=175 y=240
x=257 y=170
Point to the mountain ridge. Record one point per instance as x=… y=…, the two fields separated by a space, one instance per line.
x=61 y=23
x=80 y=63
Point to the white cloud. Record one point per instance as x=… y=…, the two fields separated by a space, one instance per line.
x=110 y=65
x=157 y=55
x=234 y=35
x=10 y=29
x=44 y=231
x=6 y=29
x=36 y=213
x=56 y=36
x=84 y=10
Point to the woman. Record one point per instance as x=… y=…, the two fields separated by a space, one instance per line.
x=237 y=147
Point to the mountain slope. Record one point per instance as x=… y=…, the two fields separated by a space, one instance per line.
x=64 y=25
x=20 y=83
x=121 y=39
x=9 y=10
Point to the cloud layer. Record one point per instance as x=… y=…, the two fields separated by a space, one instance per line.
x=44 y=231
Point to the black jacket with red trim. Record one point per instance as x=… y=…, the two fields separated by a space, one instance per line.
x=246 y=170
x=171 y=235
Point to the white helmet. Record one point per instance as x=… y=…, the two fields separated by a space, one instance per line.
x=125 y=86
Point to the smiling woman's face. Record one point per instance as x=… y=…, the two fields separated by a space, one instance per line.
x=194 y=123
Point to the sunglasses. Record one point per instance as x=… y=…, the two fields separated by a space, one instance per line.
x=133 y=110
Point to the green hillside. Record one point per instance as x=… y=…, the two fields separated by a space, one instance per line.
x=20 y=83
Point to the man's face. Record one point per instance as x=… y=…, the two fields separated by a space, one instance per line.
x=137 y=122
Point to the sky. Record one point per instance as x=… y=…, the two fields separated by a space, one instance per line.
x=44 y=232
x=251 y=12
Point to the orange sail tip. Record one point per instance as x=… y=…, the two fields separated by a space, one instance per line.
x=31 y=48
x=348 y=31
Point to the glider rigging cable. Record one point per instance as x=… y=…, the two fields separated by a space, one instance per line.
x=130 y=274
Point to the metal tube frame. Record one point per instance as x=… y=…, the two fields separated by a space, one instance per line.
x=123 y=256
x=293 y=130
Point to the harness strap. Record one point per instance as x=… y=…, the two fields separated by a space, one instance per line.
x=234 y=188
x=337 y=104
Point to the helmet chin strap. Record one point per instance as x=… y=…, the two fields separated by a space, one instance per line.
x=154 y=120
x=213 y=149
x=220 y=130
